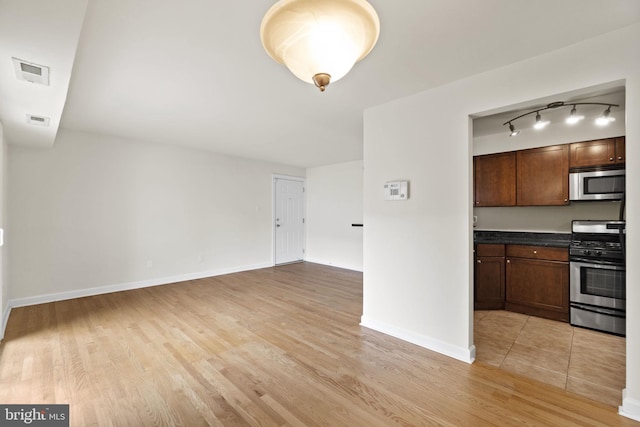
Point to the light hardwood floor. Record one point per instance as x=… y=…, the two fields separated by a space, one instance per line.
x=277 y=346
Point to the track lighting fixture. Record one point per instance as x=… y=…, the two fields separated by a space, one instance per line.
x=605 y=118
x=573 y=118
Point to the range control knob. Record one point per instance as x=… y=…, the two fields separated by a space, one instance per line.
x=587 y=252
x=598 y=253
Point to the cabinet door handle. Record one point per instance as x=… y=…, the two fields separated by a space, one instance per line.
x=479 y=261
x=535 y=252
x=611 y=159
x=619 y=157
x=508 y=261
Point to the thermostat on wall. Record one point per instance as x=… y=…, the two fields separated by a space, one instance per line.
x=396 y=190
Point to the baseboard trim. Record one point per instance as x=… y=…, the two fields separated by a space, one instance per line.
x=333 y=264
x=630 y=407
x=61 y=296
x=5 y=319
x=463 y=354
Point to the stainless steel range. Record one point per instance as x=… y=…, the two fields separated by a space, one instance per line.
x=597 y=276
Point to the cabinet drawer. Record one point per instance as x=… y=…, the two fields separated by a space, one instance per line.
x=537 y=252
x=487 y=249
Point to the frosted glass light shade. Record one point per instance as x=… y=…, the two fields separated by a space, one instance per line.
x=319 y=37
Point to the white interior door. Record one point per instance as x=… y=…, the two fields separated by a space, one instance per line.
x=289 y=220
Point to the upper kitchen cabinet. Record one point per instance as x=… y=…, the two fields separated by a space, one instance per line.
x=495 y=179
x=543 y=176
x=600 y=152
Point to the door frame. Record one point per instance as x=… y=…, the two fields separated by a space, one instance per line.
x=274 y=178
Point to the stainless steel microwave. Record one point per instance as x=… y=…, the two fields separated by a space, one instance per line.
x=597 y=185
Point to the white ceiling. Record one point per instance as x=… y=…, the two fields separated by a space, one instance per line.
x=194 y=72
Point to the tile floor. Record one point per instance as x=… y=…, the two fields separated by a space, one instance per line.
x=581 y=361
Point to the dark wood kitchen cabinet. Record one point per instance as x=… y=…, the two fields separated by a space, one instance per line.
x=620 y=150
x=537 y=281
x=489 y=289
x=600 y=152
x=495 y=179
x=543 y=176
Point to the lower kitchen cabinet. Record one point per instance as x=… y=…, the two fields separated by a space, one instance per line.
x=537 y=281
x=489 y=290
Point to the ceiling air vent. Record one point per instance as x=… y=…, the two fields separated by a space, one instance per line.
x=30 y=72
x=37 y=120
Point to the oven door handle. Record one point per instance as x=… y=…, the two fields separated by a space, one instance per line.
x=590 y=263
x=599 y=310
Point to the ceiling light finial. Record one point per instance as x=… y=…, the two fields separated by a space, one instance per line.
x=319 y=41
x=322 y=80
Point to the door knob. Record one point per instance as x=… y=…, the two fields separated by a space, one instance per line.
x=277 y=225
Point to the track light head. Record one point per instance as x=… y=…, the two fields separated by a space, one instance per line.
x=539 y=122
x=574 y=117
x=513 y=130
x=605 y=118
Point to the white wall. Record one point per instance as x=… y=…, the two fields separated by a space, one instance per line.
x=95 y=214
x=334 y=202
x=4 y=282
x=551 y=219
x=418 y=275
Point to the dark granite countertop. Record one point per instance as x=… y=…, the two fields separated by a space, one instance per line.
x=558 y=240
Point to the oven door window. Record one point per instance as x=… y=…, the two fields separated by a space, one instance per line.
x=601 y=282
x=611 y=184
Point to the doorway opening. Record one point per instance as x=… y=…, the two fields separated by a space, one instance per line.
x=512 y=326
x=288 y=219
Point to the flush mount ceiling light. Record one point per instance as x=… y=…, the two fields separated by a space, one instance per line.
x=319 y=41
x=573 y=118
